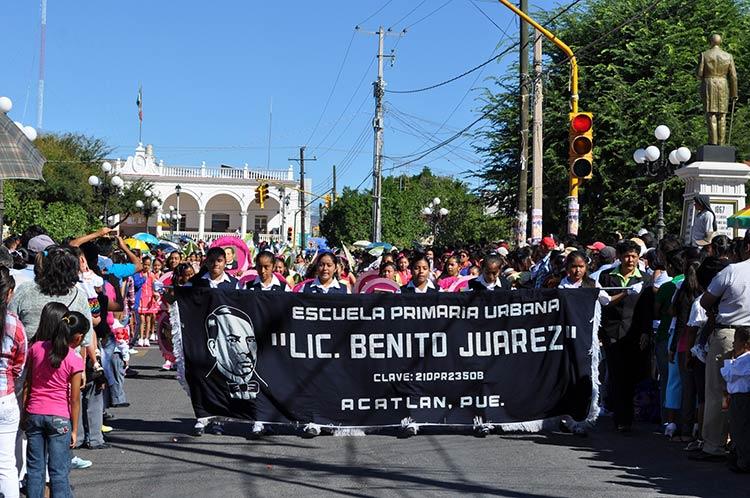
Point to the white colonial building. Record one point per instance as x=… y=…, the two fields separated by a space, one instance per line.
x=215 y=201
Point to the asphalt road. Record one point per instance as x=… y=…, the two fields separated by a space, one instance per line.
x=153 y=455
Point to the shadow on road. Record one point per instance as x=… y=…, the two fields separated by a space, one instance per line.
x=647 y=461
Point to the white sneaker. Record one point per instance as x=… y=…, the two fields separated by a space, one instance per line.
x=167 y=365
x=80 y=463
x=140 y=343
x=146 y=343
x=152 y=337
x=670 y=429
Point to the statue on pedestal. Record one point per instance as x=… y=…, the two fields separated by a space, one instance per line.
x=718 y=85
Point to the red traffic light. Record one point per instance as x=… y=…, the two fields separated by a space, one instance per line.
x=581 y=123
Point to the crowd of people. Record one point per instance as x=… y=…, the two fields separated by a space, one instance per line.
x=673 y=316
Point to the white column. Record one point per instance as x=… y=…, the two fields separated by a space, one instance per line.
x=201 y=224
x=243 y=223
x=158 y=222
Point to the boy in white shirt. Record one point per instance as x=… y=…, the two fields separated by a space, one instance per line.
x=736 y=373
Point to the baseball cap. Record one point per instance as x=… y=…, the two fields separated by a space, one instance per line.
x=548 y=243
x=608 y=253
x=40 y=243
x=597 y=246
x=642 y=232
x=502 y=251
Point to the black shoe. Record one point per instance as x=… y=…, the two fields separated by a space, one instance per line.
x=121 y=405
x=737 y=469
x=103 y=446
x=130 y=372
x=702 y=456
x=107 y=415
x=198 y=431
x=215 y=429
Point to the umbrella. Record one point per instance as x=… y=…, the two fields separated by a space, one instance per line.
x=362 y=243
x=167 y=246
x=147 y=238
x=136 y=244
x=385 y=245
x=740 y=219
x=19 y=157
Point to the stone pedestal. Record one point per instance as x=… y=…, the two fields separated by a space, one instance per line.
x=723 y=183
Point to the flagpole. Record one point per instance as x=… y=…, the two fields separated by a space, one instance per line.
x=139 y=103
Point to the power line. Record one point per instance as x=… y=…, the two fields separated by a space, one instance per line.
x=475 y=68
x=408 y=14
x=333 y=88
x=428 y=15
x=374 y=13
x=330 y=130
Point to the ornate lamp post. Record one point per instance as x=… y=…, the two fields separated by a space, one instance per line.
x=106 y=186
x=661 y=167
x=149 y=206
x=177 y=191
x=434 y=214
x=172 y=218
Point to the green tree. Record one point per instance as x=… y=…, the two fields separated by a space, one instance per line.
x=64 y=203
x=404 y=197
x=633 y=79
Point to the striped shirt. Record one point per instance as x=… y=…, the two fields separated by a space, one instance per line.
x=12 y=354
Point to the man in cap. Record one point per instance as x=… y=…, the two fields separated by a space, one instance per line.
x=542 y=268
x=704 y=224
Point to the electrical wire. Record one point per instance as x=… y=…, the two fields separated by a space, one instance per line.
x=375 y=13
x=408 y=14
x=428 y=15
x=333 y=88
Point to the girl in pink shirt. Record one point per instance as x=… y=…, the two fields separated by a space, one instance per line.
x=52 y=392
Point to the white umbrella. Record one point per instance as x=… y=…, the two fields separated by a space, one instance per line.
x=362 y=243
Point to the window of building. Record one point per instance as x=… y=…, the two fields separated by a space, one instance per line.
x=219 y=222
x=261 y=224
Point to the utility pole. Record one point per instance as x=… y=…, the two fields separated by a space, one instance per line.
x=538 y=140
x=333 y=196
x=523 y=160
x=302 y=206
x=377 y=125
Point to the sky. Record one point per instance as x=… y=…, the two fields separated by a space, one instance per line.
x=212 y=72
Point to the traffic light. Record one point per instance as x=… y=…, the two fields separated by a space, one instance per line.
x=580 y=153
x=261 y=194
x=289 y=234
x=327 y=198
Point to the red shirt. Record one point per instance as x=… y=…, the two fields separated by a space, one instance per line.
x=12 y=354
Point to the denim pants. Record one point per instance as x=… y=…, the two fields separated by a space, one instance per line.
x=114 y=370
x=49 y=441
x=9 y=416
x=90 y=421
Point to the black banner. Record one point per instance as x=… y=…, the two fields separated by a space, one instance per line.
x=369 y=360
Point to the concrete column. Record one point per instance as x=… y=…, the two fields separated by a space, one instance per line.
x=243 y=223
x=201 y=224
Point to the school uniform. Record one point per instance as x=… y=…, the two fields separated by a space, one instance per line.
x=275 y=285
x=479 y=284
x=225 y=282
x=315 y=287
x=410 y=288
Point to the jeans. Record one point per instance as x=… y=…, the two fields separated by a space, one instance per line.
x=114 y=370
x=90 y=421
x=49 y=441
x=715 y=422
x=9 y=416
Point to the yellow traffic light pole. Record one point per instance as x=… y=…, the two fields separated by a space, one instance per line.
x=574 y=182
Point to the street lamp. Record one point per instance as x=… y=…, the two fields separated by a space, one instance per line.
x=148 y=207
x=172 y=218
x=434 y=215
x=177 y=190
x=106 y=186
x=661 y=167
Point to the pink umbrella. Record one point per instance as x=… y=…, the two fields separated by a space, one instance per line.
x=364 y=278
x=241 y=252
x=379 y=284
x=461 y=284
x=299 y=286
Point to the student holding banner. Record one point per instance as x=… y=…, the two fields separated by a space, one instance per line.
x=212 y=273
x=266 y=280
x=489 y=279
x=325 y=281
x=420 y=277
